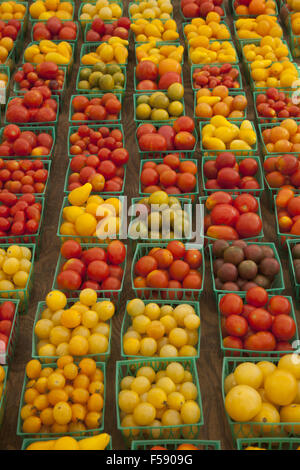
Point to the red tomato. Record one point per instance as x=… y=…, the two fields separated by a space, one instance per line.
x=236 y=325
x=111 y=283
x=93 y=254
x=246 y=203
x=145 y=265
x=74 y=264
x=232 y=342
x=184 y=124
x=223 y=232
x=249 y=225
x=164 y=258
x=261 y=341
x=155 y=142
x=283 y=327
x=179 y=270
x=220 y=197
x=192 y=281
x=145 y=129
x=98 y=271
x=257 y=296
x=193 y=258
x=279 y=305
x=116 y=271
x=69 y=280
x=247 y=309
x=177 y=249
x=116 y=252
x=231 y=304
x=5 y=327
x=7 y=310
x=260 y=319
x=157 y=279
x=146 y=70
x=224 y=214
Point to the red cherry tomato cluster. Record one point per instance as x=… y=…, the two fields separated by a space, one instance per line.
x=210 y=76
x=106 y=108
x=54 y=28
x=260 y=323
x=282 y=170
x=23 y=176
x=148 y=78
x=101 y=31
x=95 y=268
x=46 y=73
x=35 y=106
x=172 y=267
x=195 y=8
x=19 y=215
x=275 y=103
x=10 y=29
x=19 y=143
x=232 y=218
x=7 y=314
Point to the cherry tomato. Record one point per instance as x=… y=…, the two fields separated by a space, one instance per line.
x=231 y=304
x=145 y=265
x=261 y=341
x=116 y=252
x=246 y=203
x=257 y=296
x=279 y=305
x=71 y=249
x=283 y=327
x=236 y=325
x=260 y=319
x=249 y=225
x=177 y=249
x=98 y=271
x=224 y=214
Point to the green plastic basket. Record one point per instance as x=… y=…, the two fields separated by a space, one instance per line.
x=244 y=42
x=277 y=286
x=143 y=121
x=136 y=82
x=47 y=166
x=85 y=23
x=236 y=16
x=251 y=429
x=126 y=323
x=7 y=356
x=202 y=200
x=200 y=66
x=237 y=152
x=222 y=22
x=254 y=88
x=121 y=91
x=86 y=433
x=3 y=397
x=36 y=20
x=102 y=193
x=153 y=154
x=272 y=121
x=159 y=44
x=143 y=249
x=124 y=368
x=186 y=18
x=88 y=47
x=296 y=286
x=261 y=128
x=172 y=444
x=27 y=442
x=134 y=3
x=34 y=123
x=232 y=119
x=113 y=295
x=46 y=359
x=160 y=39
x=36 y=130
x=236 y=61
x=259 y=177
x=65 y=23
x=280 y=443
x=90 y=96
x=94 y=127
x=232 y=352
x=186 y=206
x=21 y=295
x=282 y=237
x=191 y=196
x=92 y=239
x=68 y=66
x=88 y=27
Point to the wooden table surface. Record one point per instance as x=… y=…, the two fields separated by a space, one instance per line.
x=210 y=363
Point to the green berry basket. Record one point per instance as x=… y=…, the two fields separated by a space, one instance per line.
x=94 y=127
x=236 y=61
x=85 y=23
x=266 y=153
x=235 y=352
x=277 y=286
x=232 y=119
x=172 y=444
x=160 y=39
x=237 y=16
x=90 y=96
x=121 y=90
x=255 y=88
x=86 y=433
x=186 y=236
x=143 y=249
x=202 y=200
x=159 y=44
x=36 y=20
x=7 y=356
x=222 y=22
x=34 y=123
x=265 y=443
x=36 y=130
x=252 y=429
x=3 y=397
x=200 y=66
x=104 y=357
x=88 y=27
x=24 y=20
x=60 y=92
x=34 y=238
x=134 y=3
x=296 y=286
x=136 y=82
x=126 y=323
x=151 y=121
x=213 y=152
x=191 y=196
x=22 y=294
x=101 y=193
x=47 y=166
x=88 y=47
x=244 y=42
x=65 y=23
x=68 y=65
x=281 y=236
x=124 y=368
x=259 y=177
x=27 y=442
x=274 y=120
x=4 y=69
x=112 y=295
x=153 y=154
x=93 y=238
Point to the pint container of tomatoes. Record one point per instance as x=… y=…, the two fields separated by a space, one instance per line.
x=266 y=443
x=135 y=419
x=27 y=442
x=280 y=137
x=34 y=108
x=95 y=139
x=95 y=108
x=287 y=211
x=176 y=444
x=254 y=324
x=27 y=141
x=9 y=329
x=3 y=392
x=185 y=265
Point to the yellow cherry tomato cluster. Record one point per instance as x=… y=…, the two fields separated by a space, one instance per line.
x=150 y=10
x=101 y=9
x=153 y=30
x=49 y=51
x=45 y=9
x=62 y=399
x=221 y=134
x=267 y=394
x=157 y=53
x=273 y=49
x=91 y=216
x=211 y=27
x=266 y=73
x=204 y=51
x=15 y=264
x=12 y=10
x=79 y=329
x=97 y=442
x=114 y=51
x=256 y=28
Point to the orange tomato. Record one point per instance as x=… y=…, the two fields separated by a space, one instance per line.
x=169 y=65
x=158 y=448
x=187 y=447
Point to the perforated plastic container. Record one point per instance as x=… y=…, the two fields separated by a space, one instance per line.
x=173 y=444
x=36 y=130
